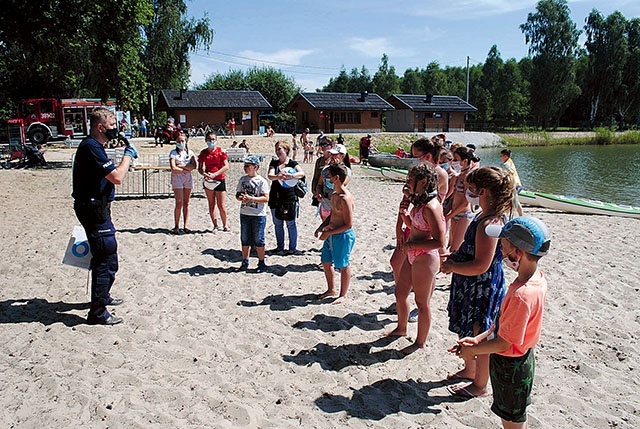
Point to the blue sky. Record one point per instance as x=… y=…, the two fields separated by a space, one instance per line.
x=311 y=40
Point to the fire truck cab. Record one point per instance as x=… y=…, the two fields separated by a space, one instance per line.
x=45 y=119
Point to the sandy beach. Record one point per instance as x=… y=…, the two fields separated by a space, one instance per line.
x=203 y=345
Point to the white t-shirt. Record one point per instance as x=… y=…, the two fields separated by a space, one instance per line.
x=183 y=157
x=255 y=187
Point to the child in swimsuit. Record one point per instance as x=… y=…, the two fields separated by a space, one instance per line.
x=421 y=259
x=461 y=213
x=477 y=284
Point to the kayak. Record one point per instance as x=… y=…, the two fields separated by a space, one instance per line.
x=528 y=198
x=585 y=206
x=372 y=171
x=389 y=160
x=395 y=174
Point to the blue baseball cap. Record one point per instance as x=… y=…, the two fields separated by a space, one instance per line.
x=252 y=159
x=526 y=233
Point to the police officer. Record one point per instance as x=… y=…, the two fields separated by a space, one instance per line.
x=94 y=177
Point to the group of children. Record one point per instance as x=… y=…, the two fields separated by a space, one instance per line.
x=497 y=326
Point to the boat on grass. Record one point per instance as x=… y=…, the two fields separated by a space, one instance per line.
x=571 y=204
x=395 y=174
x=389 y=160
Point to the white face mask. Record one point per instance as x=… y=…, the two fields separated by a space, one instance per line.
x=456 y=166
x=474 y=201
x=514 y=265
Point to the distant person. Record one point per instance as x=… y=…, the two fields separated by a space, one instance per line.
x=213 y=163
x=294 y=145
x=234 y=144
x=144 y=127
x=338 y=235
x=253 y=193
x=365 y=147
x=244 y=145
x=507 y=163
x=94 y=177
x=231 y=124
x=182 y=162
x=270 y=131
x=511 y=340
x=340 y=139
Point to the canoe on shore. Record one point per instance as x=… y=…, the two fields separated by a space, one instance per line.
x=389 y=160
x=385 y=173
x=571 y=204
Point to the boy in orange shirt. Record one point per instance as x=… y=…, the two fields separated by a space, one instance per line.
x=512 y=365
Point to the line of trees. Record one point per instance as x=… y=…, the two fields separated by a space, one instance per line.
x=559 y=83
x=125 y=49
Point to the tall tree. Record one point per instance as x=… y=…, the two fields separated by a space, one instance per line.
x=631 y=74
x=276 y=88
x=359 y=80
x=553 y=42
x=170 y=36
x=434 y=80
x=410 y=82
x=385 y=82
x=608 y=53
x=339 y=83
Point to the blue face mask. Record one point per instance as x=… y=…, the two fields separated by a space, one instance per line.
x=211 y=145
x=180 y=146
x=328 y=184
x=445 y=165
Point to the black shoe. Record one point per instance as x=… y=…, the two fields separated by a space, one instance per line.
x=116 y=301
x=262 y=267
x=111 y=320
x=244 y=265
x=276 y=251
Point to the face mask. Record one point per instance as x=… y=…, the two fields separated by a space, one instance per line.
x=111 y=133
x=474 y=201
x=445 y=165
x=211 y=145
x=180 y=146
x=514 y=265
x=456 y=166
x=328 y=184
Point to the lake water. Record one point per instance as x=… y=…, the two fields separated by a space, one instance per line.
x=606 y=173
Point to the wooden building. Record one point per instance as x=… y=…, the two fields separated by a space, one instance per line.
x=335 y=112
x=427 y=113
x=190 y=108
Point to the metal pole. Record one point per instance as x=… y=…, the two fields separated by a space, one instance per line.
x=467 y=79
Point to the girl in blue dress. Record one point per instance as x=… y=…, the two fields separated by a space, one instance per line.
x=478 y=285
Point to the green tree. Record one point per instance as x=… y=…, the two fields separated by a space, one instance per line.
x=385 y=82
x=338 y=84
x=631 y=74
x=553 y=43
x=608 y=52
x=410 y=82
x=434 y=80
x=276 y=88
x=170 y=36
x=359 y=80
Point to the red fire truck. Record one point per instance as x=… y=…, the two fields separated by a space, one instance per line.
x=44 y=119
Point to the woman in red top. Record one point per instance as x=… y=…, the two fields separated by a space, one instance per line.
x=213 y=162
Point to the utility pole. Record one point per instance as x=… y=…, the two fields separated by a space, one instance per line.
x=467 y=79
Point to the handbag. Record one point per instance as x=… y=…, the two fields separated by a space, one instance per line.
x=300 y=189
x=286 y=210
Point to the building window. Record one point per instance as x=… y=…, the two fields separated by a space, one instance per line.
x=374 y=114
x=347 y=117
x=305 y=117
x=235 y=115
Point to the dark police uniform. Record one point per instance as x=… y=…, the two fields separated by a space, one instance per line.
x=93 y=195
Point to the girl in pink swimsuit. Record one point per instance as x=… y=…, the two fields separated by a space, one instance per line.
x=421 y=263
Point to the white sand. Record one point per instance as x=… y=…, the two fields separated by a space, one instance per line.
x=205 y=346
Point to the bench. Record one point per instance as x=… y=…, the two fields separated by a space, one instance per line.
x=236 y=154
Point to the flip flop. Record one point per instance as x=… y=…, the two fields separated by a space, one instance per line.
x=456 y=377
x=464 y=393
x=226 y=229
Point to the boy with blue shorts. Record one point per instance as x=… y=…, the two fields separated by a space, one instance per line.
x=511 y=340
x=253 y=193
x=337 y=233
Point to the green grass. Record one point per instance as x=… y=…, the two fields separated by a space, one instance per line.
x=602 y=136
x=384 y=143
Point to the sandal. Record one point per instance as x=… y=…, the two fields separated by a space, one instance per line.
x=226 y=229
x=186 y=230
x=175 y=231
